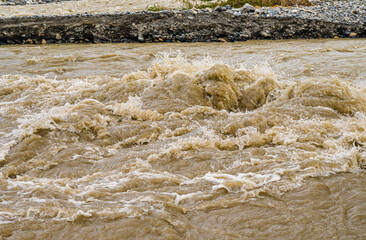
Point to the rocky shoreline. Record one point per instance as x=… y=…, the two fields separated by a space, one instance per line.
x=221 y=24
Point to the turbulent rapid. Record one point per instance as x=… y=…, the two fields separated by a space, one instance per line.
x=184 y=147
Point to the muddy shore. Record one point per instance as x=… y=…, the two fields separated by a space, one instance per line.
x=167 y=26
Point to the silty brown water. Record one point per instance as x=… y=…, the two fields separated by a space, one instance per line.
x=250 y=140
x=85 y=6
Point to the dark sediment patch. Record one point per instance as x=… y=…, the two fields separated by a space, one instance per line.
x=169 y=26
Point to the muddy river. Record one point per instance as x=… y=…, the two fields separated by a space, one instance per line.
x=89 y=6
x=249 y=140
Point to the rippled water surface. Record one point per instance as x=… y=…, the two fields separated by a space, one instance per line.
x=83 y=6
x=251 y=140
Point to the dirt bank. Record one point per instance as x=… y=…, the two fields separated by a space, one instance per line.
x=167 y=26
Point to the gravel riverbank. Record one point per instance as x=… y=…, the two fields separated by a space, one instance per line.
x=330 y=11
x=324 y=20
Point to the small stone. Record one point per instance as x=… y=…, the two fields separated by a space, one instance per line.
x=58 y=36
x=266 y=34
x=141 y=38
x=161 y=40
x=44 y=41
x=222 y=40
x=248 y=8
x=353 y=34
x=182 y=38
x=30 y=41
x=218 y=9
x=237 y=13
x=336 y=37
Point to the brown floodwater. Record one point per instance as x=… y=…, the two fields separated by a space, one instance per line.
x=249 y=140
x=82 y=6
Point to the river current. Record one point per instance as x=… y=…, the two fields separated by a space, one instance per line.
x=249 y=140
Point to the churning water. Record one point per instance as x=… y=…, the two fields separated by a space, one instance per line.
x=253 y=140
